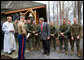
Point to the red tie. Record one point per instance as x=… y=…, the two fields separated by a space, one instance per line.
x=41 y=27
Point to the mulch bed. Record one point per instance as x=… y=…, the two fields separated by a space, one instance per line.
x=5 y=57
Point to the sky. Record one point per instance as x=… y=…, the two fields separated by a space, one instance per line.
x=66 y=6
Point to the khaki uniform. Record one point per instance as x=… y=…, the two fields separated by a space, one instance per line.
x=21 y=28
x=16 y=30
x=16 y=27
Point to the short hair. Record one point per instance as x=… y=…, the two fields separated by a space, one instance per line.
x=22 y=16
x=34 y=20
x=64 y=19
x=28 y=18
x=42 y=19
x=9 y=17
x=75 y=18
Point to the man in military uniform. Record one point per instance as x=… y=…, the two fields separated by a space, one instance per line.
x=21 y=38
x=34 y=35
x=75 y=36
x=16 y=28
x=53 y=35
x=28 y=29
x=69 y=33
x=25 y=23
x=63 y=36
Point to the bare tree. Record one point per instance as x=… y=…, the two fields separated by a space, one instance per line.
x=79 y=5
x=60 y=12
x=49 y=10
x=62 y=9
x=75 y=9
x=57 y=14
x=67 y=11
x=54 y=12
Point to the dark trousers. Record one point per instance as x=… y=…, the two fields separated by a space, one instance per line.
x=21 y=50
x=65 y=39
x=46 y=46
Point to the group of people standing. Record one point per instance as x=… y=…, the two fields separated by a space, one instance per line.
x=43 y=33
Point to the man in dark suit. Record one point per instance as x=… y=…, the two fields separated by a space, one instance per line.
x=44 y=31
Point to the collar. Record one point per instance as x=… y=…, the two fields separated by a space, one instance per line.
x=8 y=22
x=43 y=23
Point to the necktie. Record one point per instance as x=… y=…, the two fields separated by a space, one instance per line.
x=41 y=27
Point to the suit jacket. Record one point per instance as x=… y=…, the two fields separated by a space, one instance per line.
x=45 y=33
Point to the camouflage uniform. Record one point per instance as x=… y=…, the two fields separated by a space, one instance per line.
x=15 y=26
x=64 y=29
x=53 y=38
x=26 y=35
x=28 y=29
x=69 y=34
x=75 y=31
x=35 y=39
x=16 y=30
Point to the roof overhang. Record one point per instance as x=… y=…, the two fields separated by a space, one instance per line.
x=11 y=6
x=14 y=11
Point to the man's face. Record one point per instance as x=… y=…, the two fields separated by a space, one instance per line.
x=16 y=21
x=28 y=21
x=22 y=18
x=51 y=23
x=25 y=21
x=34 y=21
x=40 y=21
x=69 y=22
x=75 y=20
x=9 y=19
x=64 y=21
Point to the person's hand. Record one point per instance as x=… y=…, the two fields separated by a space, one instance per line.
x=36 y=34
x=72 y=38
x=48 y=38
x=62 y=34
x=33 y=32
x=11 y=30
x=77 y=37
x=52 y=34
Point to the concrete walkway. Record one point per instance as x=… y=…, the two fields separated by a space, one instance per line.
x=53 y=55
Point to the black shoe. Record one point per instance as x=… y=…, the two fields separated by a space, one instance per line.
x=13 y=50
x=48 y=54
x=43 y=53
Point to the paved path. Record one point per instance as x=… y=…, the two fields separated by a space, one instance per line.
x=53 y=55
